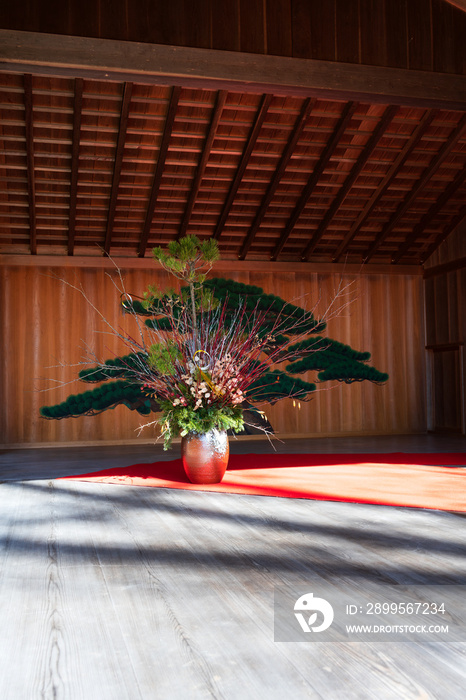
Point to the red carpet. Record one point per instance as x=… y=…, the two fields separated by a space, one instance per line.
x=398 y=479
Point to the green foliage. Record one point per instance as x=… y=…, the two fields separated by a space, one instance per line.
x=181 y=420
x=348 y=373
x=329 y=347
x=157 y=302
x=162 y=357
x=254 y=298
x=336 y=361
x=162 y=324
x=100 y=399
x=155 y=297
x=187 y=257
x=275 y=385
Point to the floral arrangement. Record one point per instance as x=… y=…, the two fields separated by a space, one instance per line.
x=207 y=355
x=205 y=360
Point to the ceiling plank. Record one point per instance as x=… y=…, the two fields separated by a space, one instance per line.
x=74 y=56
x=251 y=142
x=124 y=114
x=293 y=139
x=429 y=171
x=411 y=144
x=345 y=118
x=216 y=116
x=169 y=122
x=429 y=215
x=366 y=152
x=31 y=183
x=77 y=115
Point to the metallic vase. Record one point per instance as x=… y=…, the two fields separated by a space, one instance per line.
x=205 y=456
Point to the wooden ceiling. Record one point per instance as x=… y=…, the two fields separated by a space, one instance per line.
x=94 y=167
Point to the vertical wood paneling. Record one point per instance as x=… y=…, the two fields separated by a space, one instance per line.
x=445 y=308
x=45 y=323
x=113 y=19
x=445 y=313
x=447 y=397
x=373 y=33
x=446 y=294
x=445 y=20
x=55 y=19
x=323 y=30
x=252 y=26
x=301 y=28
x=140 y=23
x=225 y=26
x=278 y=27
x=396 y=32
x=347 y=31
x=419 y=35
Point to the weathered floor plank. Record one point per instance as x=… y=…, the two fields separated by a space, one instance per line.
x=116 y=592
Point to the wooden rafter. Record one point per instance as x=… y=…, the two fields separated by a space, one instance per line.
x=248 y=149
x=365 y=154
x=124 y=114
x=343 y=121
x=169 y=121
x=216 y=116
x=430 y=214
x=429 y=171
x=281 y=167
x=28 y=115
x=77 y=116
x=413 y=141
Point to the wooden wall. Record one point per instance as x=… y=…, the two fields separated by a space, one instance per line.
x=45 y=322
x=445 y=300
x=415 y=34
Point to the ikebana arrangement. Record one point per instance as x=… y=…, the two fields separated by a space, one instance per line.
x=205 y=358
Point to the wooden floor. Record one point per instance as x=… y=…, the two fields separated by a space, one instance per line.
x=120 y=592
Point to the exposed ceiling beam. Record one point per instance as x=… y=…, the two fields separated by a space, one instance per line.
x=216 y=116
x=77 y=115
x=72 y=56
x=124 y=113
x=251 y=142
x=429 y=215
x=428 y=172
x=341 y=125
x=28 y=112
x=366 y=152
x=403 y=155
x=167 y=132
x=221 y=266
x=293 y=139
